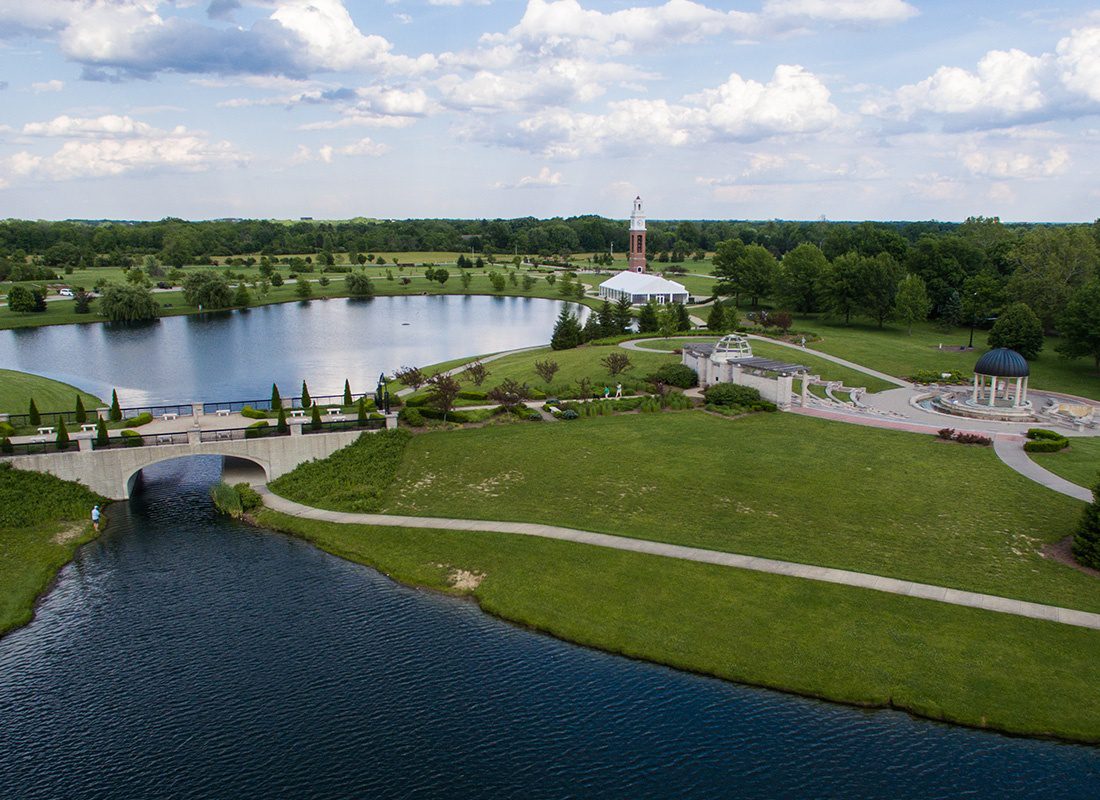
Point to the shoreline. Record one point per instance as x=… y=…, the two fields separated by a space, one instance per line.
x=266 y=523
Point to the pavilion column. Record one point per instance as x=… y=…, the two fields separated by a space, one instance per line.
x=1016 y=400
x=974 y=395
x=992 y=391
x=1025 y=390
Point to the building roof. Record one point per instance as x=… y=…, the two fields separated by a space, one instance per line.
x=642 y=283
x=1003 y=363
x=704 y=350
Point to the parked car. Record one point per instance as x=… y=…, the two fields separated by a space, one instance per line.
x=65 y=292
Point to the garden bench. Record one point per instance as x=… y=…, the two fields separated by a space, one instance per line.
x=298 y=412
x=170 y=415
x=222 y=412
x=223 y=434
x=164 y=438
x=88 y=427
x=333 y=412
x=46 y=431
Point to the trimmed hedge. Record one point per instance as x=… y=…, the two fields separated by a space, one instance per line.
x=144 y=418
x=730 y=394
x=411 y=416
x=1045 y=441
x=132 y=439
x=679 y=375
x=252 y=413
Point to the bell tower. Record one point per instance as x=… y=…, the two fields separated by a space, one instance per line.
x=637 y=238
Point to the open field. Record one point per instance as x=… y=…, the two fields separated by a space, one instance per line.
x=845 y=644
x=893 y=351
x=1079 y=463
x=42 y=522
x=774 y=485
x=17 y=389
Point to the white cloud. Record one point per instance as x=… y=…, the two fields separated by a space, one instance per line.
x=1002 y=163
x=365 y=147
x=545 y=179
x=328 y=152
x=112 y=145
x=1005 y=88
x=459 y=2
x=843 y=11
x=48 y=86
x=794 y=101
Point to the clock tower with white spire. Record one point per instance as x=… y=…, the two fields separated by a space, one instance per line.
x=637 y=238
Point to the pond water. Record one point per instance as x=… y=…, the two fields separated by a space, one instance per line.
x=184 y=655
x=236 y=355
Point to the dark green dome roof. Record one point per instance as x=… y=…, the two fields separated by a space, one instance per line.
x=1003 y=363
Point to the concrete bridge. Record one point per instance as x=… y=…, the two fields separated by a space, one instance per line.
x=112 y=472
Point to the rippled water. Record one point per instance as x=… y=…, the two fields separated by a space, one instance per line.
x=183 y=655
x=235 y=355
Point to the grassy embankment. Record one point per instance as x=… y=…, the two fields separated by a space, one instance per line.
x=1079 y=463
x=17 y=389
x=856 y=646
x=172 y=303
x=893 y=351
x=775 y=485
x=573 y=364
x=42 y=522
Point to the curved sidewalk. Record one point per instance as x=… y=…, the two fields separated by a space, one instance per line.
x=1004 y=605
x=1014 y=455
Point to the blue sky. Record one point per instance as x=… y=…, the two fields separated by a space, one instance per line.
x=794 y=109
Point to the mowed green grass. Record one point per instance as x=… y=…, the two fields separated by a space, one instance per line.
x=775 y=485
x=42 y=522
x=17 y=389
x=852 y=645
x=1079 y=463
x=824 y=368
x=573 y=364
x=893 y=351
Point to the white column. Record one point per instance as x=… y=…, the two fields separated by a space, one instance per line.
x=974 y=396
x=1016 y=400
x=1025 y=390
x=992 y=391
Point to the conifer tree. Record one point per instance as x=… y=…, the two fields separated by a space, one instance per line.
x=116 y=409
x=716 y=320
x=32 y=412
x=281 y=425
x=315 y=418
x=648 y=320
x=306 y=400
x=361 y=412
x=62 y=434
x=276 y=400
x=567 y=331
x=1086 y=540
x=81 y=413
x=102 y=438
x=347 y=393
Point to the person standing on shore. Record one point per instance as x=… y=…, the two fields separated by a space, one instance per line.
x=95 y=517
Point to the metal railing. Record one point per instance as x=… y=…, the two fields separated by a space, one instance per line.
x=344 y=425
x=52 y=418
x=235 y=406
x=35 y=448
x=142 y=440
x=238 y=434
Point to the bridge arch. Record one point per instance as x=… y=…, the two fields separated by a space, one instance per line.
x=129 y=481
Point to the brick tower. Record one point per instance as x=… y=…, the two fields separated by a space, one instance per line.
x=637 y=238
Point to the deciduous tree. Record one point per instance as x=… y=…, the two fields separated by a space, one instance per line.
x=1019 y=329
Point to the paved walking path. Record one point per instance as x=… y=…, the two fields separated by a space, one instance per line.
x=1013 y=454
x=484 y=360
x=1004 y=605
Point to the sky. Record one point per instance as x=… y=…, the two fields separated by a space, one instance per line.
x=784 y=109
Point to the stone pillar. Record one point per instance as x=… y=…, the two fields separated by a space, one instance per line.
x=992 y=391
x=1025 y=390
x=391 y=421
x=974 y=396
x=194 y=435
x=296 y=424
x=83 y=441
x=1016 y=399
x=783 y=392
x=805 y=389
x=5 y=417
x=196 y=409
x=103 y=413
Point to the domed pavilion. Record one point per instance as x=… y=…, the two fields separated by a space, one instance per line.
x=1000 y=379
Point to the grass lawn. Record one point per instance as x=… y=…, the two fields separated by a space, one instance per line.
x=17 y=389
x=1079 y=463
x=42 y=522
x=893 y=351
x=573 y=364
x=775 y=485
x=827 y=370
x=835 y=642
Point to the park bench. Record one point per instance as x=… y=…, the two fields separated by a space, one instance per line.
x=88 y=427
x=46 y=431
x=222 y=412
x=169 y=415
